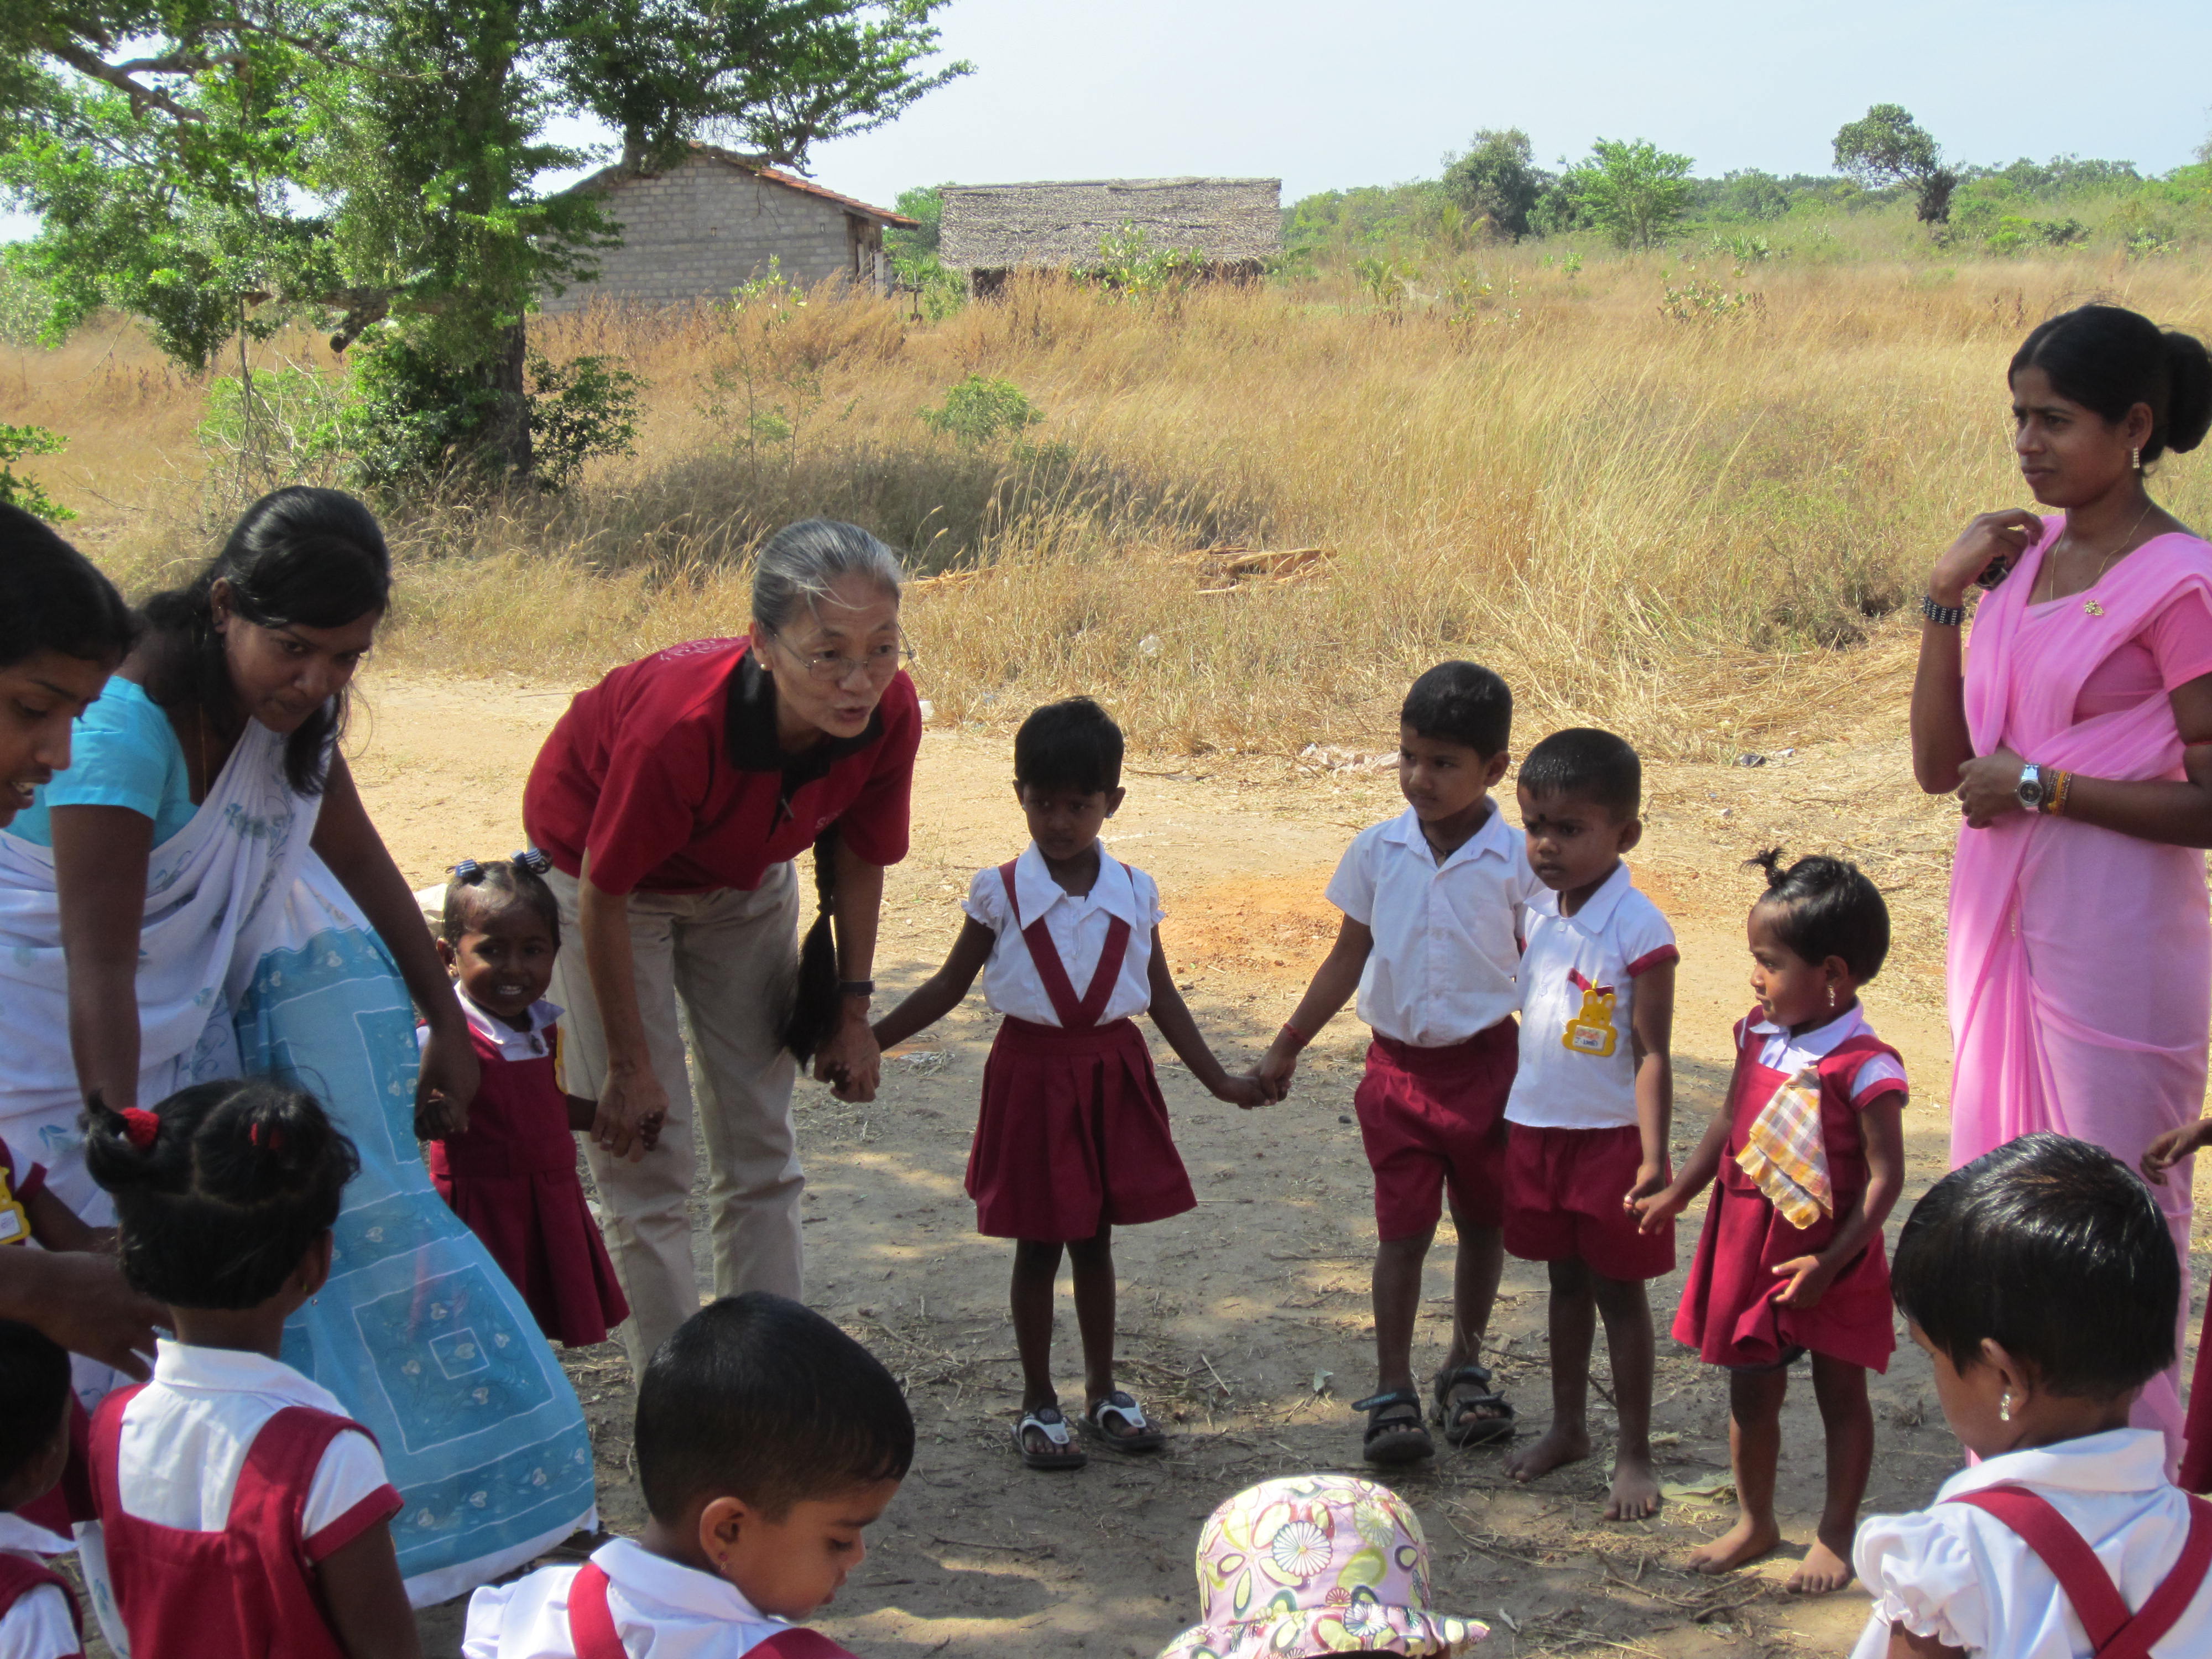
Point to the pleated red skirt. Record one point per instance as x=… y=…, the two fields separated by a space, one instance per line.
x=1072 y=1133
x=2196 y=1431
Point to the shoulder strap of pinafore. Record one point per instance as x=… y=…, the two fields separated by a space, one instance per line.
x=2116 y=1633
x=1074 y=1015
x=591 y=1622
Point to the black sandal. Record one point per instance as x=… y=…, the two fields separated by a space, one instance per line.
x=1395 y=1434
x=1470 y=1388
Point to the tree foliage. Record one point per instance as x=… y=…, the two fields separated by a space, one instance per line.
x=1632 y=190
x=1886 y=146
x=1497 y=178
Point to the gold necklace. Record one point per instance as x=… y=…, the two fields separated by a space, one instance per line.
x=2089 y=605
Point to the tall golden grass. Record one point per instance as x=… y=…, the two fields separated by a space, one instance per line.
x=1702 y=532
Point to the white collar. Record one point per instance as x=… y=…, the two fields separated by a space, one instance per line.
x=1596 y=913
x=1493 y=840
x=185 y=1367
x=1822 y=1039
x=2118 y=1460
x=660 y=1584
x=1037 y=892
x=22 y=1537
x=511 y=1043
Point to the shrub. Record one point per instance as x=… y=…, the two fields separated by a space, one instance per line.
x=15 y=442
x=978 y=409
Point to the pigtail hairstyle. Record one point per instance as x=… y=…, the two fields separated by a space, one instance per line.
x=311 y=558
x=220 y=1190
x=814 y=1001
x=53 y=598
x=478 y=889
x=1825 y=907
x=2109 y=359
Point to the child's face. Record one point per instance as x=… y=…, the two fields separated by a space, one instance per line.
x=504 y=960
x=42 y=1472
x=792 y=1566
x=1970 y=1401
x=1441 y=778
x=1573 y=842
x=1065 y=823
x=1791 y=991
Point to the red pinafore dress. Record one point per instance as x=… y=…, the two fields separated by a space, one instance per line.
x=592 y=1634
x=1729 y=1312
x=243 y=1593
x=511 y=1177
x=20 y=1576
x=1074 y=1132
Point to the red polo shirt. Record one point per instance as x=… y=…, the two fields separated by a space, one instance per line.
x=668 y=774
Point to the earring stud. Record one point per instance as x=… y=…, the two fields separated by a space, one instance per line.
x=2004 y=1406
x=2135 y=458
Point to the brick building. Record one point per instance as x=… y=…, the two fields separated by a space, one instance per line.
x=713 y=220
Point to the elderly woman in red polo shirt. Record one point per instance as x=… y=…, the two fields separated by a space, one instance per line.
x=671 y=799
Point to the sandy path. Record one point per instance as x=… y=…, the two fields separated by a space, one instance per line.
x=1245 y=1324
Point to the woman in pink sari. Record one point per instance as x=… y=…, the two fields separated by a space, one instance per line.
x=2079 y=741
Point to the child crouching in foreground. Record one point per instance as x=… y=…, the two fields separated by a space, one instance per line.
x=768 y=1442
x=1073 y=1139
x=2042 y=1281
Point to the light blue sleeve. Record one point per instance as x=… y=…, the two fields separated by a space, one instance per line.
x=123 y=752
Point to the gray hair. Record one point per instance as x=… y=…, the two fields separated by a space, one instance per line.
x=800 y=562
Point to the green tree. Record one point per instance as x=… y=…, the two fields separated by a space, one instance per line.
x=1632 y=190
x=216 y=169
x=1886 y=146
x=16 y=442
x=1496 y=179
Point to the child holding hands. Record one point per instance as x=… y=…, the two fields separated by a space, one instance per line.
x=1073 y=1138
x=1809 y=1155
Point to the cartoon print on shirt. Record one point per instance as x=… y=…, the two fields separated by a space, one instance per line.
x=15 y=1220
x=1591 y=1031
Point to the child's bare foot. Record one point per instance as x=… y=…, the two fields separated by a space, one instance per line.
x=1634 y=1494
x=1745 y=1541
x=1559 y=1446
x=1821 y=1571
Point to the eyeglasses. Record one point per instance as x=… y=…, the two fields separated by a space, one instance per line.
x=880 y=663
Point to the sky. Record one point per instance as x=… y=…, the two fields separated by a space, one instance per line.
x=1328 y=96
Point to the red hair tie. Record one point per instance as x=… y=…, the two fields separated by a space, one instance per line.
x=275 y=1143
x=142 y=1127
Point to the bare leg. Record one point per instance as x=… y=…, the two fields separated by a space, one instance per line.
x=1573 y=1329
x=1037 y=1265
x=1092 y=1259
x=1475 y=1274
x=1627 y=1313
x=1397 y=1292
x=1847 y=1421
x=1754 y=1450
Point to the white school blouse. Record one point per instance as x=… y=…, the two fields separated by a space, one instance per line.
x=1078 y=929
x=1447 y=936
x=1963 y=1576
x=39 y=1625
x=662 y=1609
x=1790 y=1055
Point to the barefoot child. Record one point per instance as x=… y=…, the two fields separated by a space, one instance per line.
x=2196 y=1471
x=768 y=1442
x=1430 y=939
x=2042 y=1281
x=1073 y=1138
x=1810 y=1157
x=39 y=1614
x=511 y=1175
x=236 y=1501
x=1594 y=1098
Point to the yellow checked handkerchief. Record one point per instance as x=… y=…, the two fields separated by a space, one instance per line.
x=1785 y=1154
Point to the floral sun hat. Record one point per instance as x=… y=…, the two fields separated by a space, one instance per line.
x=1313 y=1564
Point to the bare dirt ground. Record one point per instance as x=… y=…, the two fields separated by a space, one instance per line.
x=1245 y=1324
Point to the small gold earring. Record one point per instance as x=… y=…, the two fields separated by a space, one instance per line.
x=2004 y=1406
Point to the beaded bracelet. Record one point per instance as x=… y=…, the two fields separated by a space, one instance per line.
x=2055 y=803
x=1298 y=1038
x=1943 y=616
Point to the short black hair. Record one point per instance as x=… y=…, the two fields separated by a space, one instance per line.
x=760 y=1398
x=2109 y=359
x=53 y=599
x=1586 y=762
x=1073 y=744
x=2055 y=1249
x=1825 y=907
x=231 y=1187
x=34 y=1396
x=491 y=887
x=1461 y=702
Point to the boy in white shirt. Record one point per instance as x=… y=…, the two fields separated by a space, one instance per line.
x=1430 y=939
x=768 y=1442
x=1593 y=1098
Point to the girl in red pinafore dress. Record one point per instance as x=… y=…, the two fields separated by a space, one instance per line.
x=240 y=1512
x=1073 y=1138
x=511 y=1175
x=1809 y=1156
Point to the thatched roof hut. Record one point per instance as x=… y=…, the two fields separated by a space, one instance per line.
x=1229 y=223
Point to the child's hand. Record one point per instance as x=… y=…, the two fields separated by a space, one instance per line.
x=1245 y=1090
x=1809 y=1282
x=1656 y=1211
x=1274 y=1070
x=2170 y=1148
x=1651 y=1180
x=436 y=1117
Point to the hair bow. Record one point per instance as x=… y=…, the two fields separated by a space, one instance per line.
x=140 y=1126
x=274 y=1142
x=531 y=860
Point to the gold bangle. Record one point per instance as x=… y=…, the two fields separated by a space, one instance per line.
x=2058 y=794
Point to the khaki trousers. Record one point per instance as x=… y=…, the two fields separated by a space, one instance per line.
x=727 y=958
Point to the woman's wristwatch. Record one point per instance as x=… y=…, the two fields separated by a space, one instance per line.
x=856 y=987
x=2044 y=789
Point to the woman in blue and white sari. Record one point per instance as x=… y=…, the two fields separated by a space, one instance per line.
x=202 y=895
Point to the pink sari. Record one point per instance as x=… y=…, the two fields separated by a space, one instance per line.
x=2081 y=960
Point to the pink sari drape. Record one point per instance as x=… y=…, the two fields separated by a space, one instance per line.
x=2081 y=960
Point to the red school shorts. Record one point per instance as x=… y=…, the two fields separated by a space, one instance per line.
x=1433 y=1118
x=1564 y=1193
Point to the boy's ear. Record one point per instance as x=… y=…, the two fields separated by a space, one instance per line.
x=446 y=952
x=1113 y=799
x=1630 y=832
x=721 y=1521
x=1835 y=970
x=1495 y=769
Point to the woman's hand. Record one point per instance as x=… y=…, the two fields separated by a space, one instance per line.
x=81 y=1301
x=2170 y=1148
x=1990 y=537
x=850 y=1063
x=1989 y=788
x=447 y=1081
x=632 y=1106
